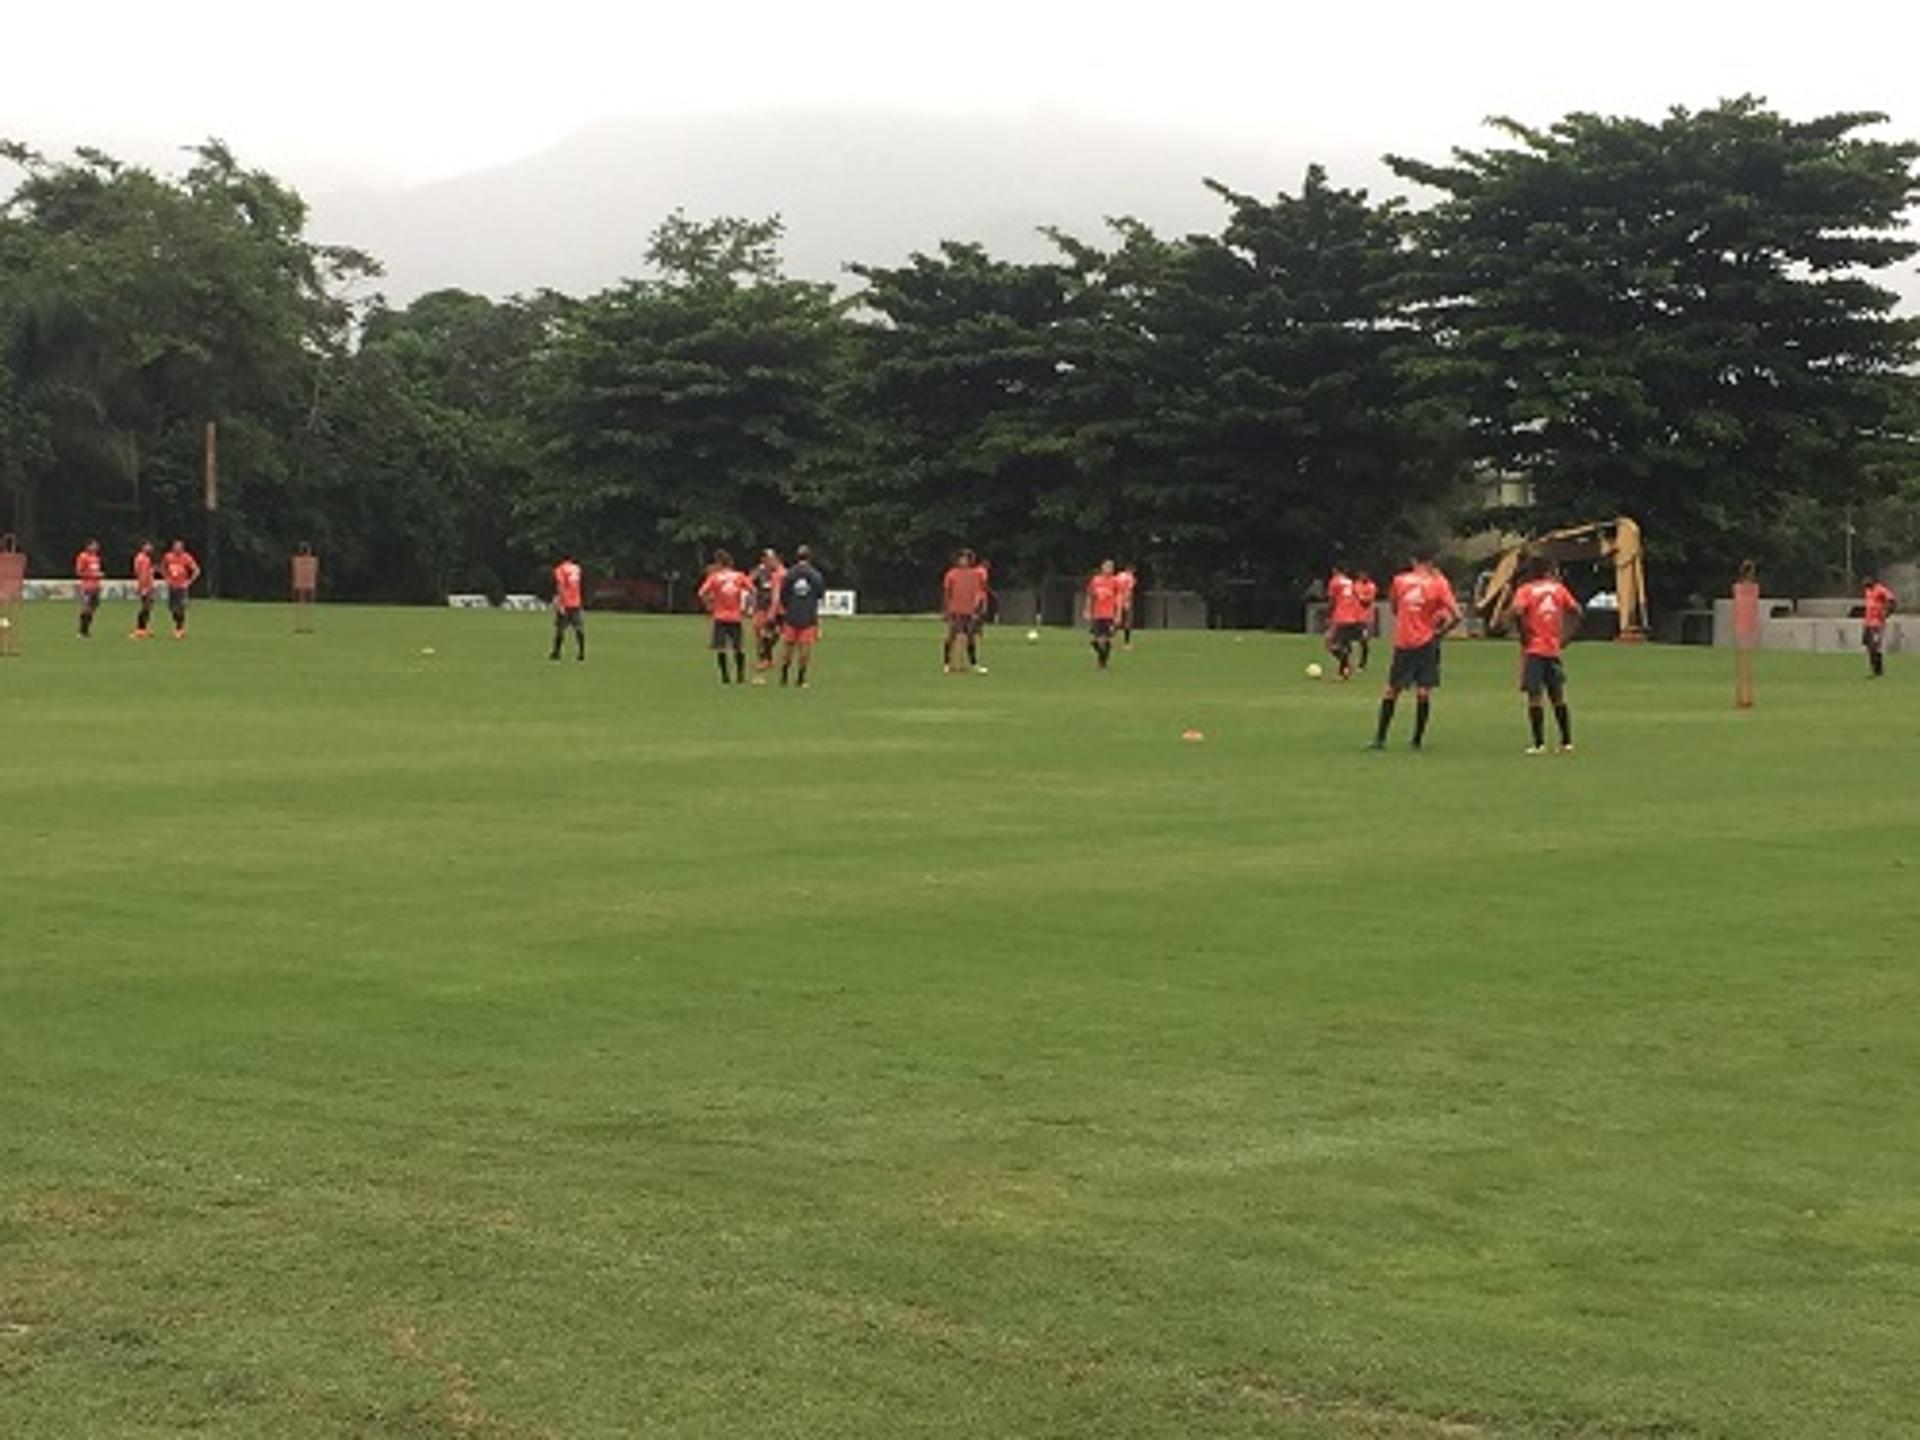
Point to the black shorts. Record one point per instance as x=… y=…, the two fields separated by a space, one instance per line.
x=89 y=600
x=1102 y=629
x=569 y=619
x=1351 y=634
x=1872 y=635
x=1543 y=672
x=177 y=602
x=963 y=624
x=1416 y=669
x=726 y=635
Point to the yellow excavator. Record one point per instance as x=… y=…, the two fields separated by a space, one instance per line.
x=1617 y=540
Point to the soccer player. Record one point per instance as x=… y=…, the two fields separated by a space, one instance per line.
x=1102 y=609
x=1544 y=611
x=800 y=591
x=963 y=600
x=767 y=577
x=1879 y=602
x=181 y=570
x=1128 y=580
x=1424 y=610
x=726 y=592
x=1365 y=594
x=143 y=588
x=1346 y=621
x=566 y=608
x=86 y=569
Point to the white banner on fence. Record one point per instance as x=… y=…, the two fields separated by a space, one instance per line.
x=522 y=602
x=469 y=602
x=839 y=602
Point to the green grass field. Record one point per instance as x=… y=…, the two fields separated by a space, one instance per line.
x=462 y=1045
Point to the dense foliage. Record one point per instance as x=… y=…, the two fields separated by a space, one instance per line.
x=1674 y=318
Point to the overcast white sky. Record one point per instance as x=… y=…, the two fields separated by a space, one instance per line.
x=355 y=91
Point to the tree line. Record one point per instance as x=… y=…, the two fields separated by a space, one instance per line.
x=1676 y=318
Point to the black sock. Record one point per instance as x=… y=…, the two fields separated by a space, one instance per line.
x=740 y=666
x=1422 y=708
x=581 y=640
x=973 y=652
x=1563 y=717
x=720 y=659
x=803 y=672
x=1386 y=720
x=1537 y=718
x=783 y=674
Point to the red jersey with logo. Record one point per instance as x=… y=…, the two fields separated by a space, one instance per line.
x=86 y=565
x=963 y=589
x=1103 y=597
x=1422 y=600
x=1126 y=582
x=143 y=573
x=725 y=594
x=180 y=568
x=1344 y=596
x=1879 y=602
x=1367 y=593
x=566 y=585
x=1541 y=607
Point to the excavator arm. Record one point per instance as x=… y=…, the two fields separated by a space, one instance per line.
x=1617 y=540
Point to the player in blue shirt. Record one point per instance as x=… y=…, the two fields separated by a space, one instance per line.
x=800 y=592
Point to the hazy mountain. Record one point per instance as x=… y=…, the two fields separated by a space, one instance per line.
x=854 y=185
x=864 y=185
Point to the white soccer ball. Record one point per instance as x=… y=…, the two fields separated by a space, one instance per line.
x=426 y=649
x=1032 y=635
x=1314 y=672
x=5 y=623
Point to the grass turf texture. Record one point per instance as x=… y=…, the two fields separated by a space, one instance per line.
x=408 y=1045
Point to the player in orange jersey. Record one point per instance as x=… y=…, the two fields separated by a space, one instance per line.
x=1128 y=581
x=1544 y=612
x=143 y=589
x=567 y=607
x=86 y=569
x=1424 y=610
x=767 y=577
x=1365 y=595
x=1877 y=602
x=180 y=570
x=726 y=593
x=1102 y=609
x=963 y=600
x=1346 y=621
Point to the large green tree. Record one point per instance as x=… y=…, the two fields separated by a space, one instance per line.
x=686 y=410
x=1252 y=404
x=1675 y=318
x=136 y=307
x=954 y=404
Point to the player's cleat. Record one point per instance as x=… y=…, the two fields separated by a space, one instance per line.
x=1536 y=749
x=759 y=680
x=1566 y=749
x=979 y=669
x=1376 y=745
